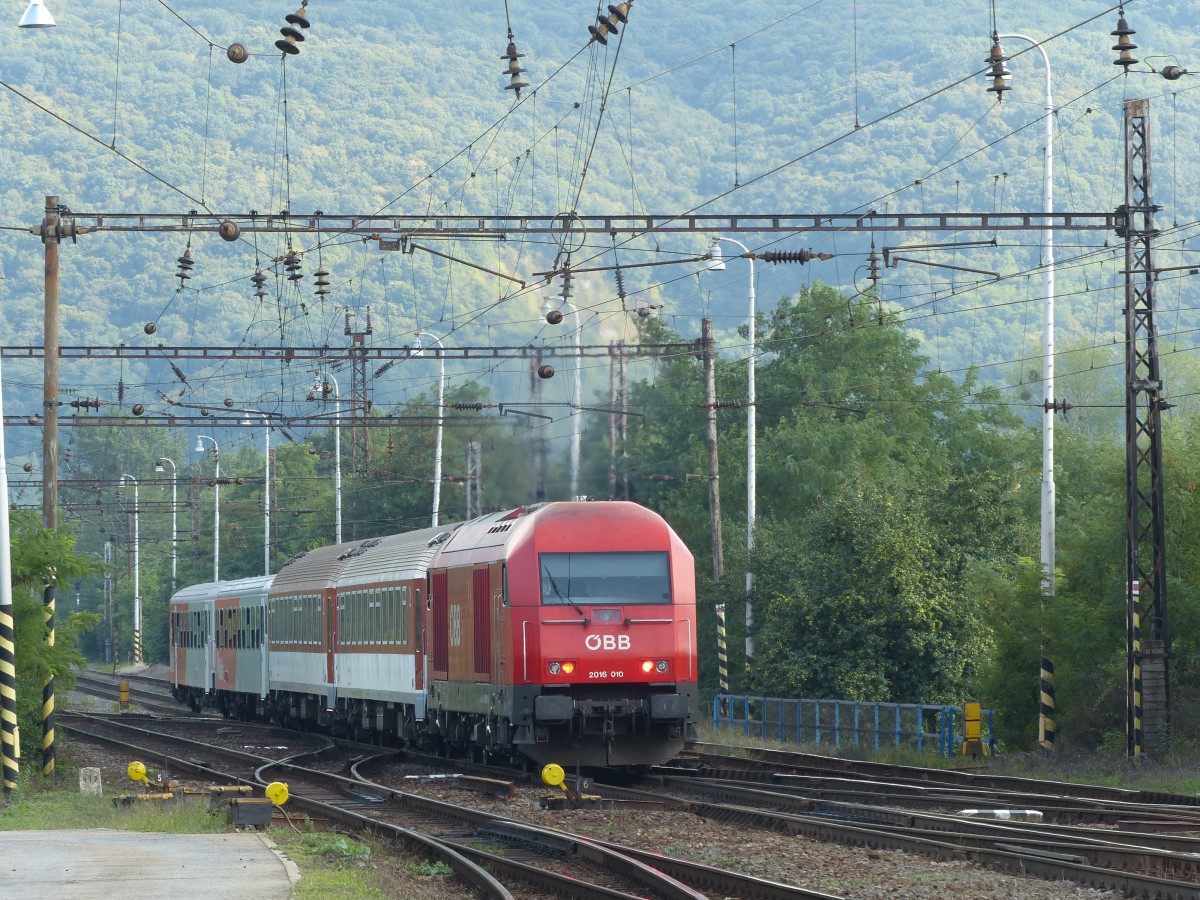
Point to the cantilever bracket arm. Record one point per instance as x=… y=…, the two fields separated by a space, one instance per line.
x=414 y=246
x=933 y=265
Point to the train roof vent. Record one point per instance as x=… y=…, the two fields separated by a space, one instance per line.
x=497 y=528
x=360 y=549
x=439 y=538
x=298 y=556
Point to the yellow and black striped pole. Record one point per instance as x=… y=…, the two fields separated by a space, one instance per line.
x=49 y=595
x=1046 y=718
x=8 y=667
x=722 y=655
x=8 y=678
x=1138 y=742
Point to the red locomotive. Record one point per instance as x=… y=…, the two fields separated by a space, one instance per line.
x=560 y=632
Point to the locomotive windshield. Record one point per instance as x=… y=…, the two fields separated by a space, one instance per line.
x=584 y=579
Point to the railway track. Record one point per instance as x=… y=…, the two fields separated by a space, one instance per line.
x=838 y=780
x=717 y=757
x=1140 y=861
x=865 y=804
x=470 y=841
x=152 y=696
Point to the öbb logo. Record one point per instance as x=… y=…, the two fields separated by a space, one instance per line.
x=607 y=642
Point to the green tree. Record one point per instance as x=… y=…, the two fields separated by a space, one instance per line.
x=38 y=554
x=868 y=605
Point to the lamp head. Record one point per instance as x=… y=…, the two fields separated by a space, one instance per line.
x=158 y=466
x=716 y=257
x=37 y=16
x=199 y=448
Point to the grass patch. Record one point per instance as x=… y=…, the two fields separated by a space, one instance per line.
x=1177 y=772
x=56 y=810
x=339 y=865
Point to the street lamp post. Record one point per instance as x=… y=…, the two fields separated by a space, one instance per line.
x=199 y=448
x=160 y=465
x=1048 y=401
x=718 y=264
x=137 y=570
x=437 y=452
x=1046 y=722
x=323 y=386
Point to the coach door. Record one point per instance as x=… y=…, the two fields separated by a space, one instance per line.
x=331 y=637
x=420 y=657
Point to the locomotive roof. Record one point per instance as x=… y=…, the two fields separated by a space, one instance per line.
x=498 y=533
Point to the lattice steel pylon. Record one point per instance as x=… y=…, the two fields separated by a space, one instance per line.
x=360 y=405
x=1148 y=642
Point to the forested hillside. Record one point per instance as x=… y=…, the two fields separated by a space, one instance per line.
x=899 y=421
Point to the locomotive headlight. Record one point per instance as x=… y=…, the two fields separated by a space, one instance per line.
x=554 y=668
x=662 y=665
x=647 y=665
x=655 y=665
x=562 y=667
x=568 y=668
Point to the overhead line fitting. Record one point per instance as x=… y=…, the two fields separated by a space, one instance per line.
x=292 y=38
x=607 y=25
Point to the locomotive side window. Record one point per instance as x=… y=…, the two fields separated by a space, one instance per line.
x=583 y=579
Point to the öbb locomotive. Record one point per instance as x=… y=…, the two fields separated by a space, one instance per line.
x=559 y=632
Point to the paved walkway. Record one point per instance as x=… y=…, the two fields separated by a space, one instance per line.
x=128 y=865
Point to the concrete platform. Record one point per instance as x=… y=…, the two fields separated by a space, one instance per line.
x=102 y=865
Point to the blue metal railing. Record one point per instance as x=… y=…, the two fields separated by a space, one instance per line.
x=921 y=726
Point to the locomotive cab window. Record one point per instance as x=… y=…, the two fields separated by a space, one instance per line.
x=584 y=579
